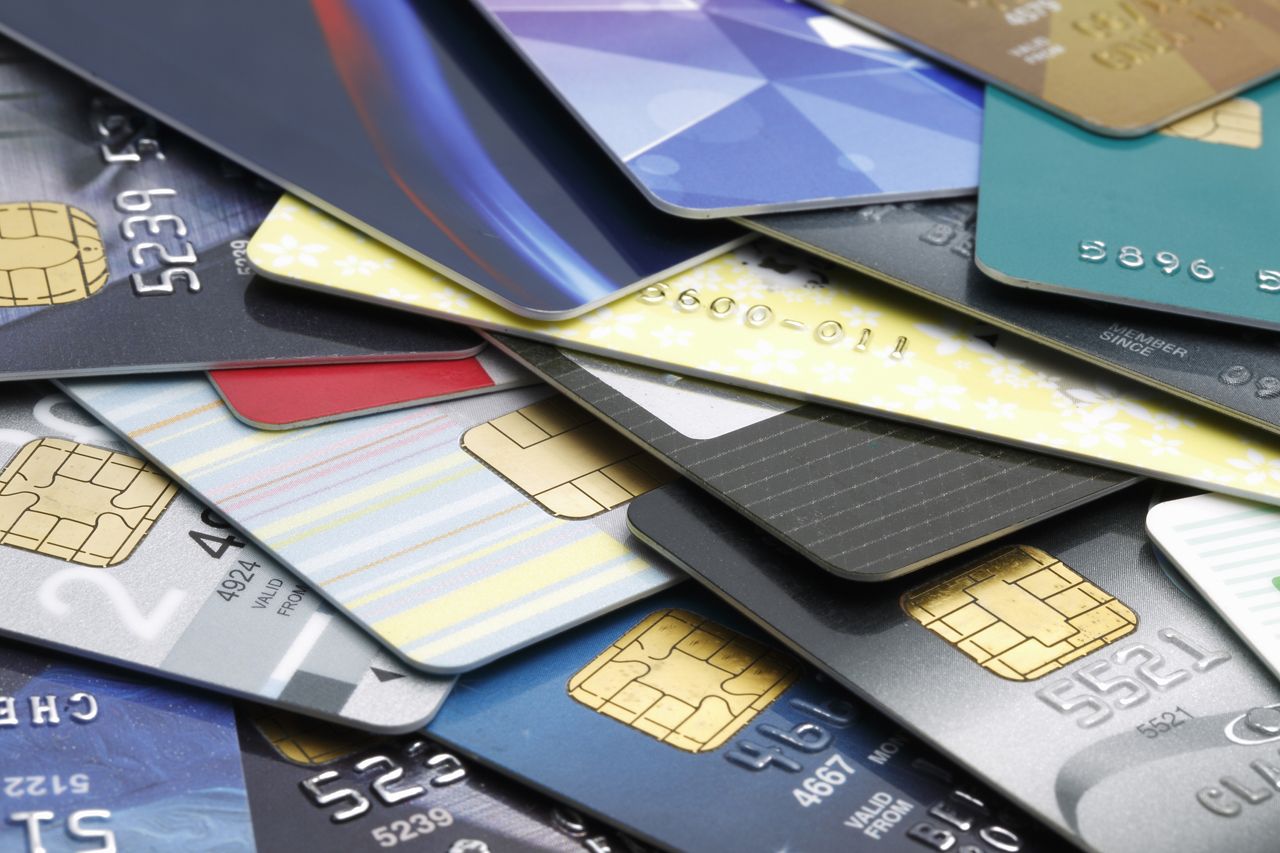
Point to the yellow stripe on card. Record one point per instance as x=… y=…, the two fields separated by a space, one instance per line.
x=361 y=496
x=518 y=582
x=343 y=520
x=266 y=446
x=234 y=449
x=487 y=628
x=181 y=416
x=443 y=568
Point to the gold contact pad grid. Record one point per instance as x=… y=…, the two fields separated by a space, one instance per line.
x=684 y=680
x=1236 y=122
x=565 y=460
x=1020 y=613
x=308 y=742
x=50 y=254
x=79 y=503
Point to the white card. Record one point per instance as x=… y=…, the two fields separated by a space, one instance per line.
x=1228 y=549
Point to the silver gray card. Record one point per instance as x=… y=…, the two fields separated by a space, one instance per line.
x=1062 y=665
x=102 y=555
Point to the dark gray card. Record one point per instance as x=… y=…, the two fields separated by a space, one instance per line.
x=413 y=121
x=863 y=498
x=927 y=248
x=1063 y=666
x=122 y=250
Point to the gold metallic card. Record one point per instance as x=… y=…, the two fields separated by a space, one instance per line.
x=1020 y=613
x=49 y=254
x=688 y=682
x=79 y=503
x=565 y=460
x=1119 y=67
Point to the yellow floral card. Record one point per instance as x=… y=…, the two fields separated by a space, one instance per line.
x=768 y=318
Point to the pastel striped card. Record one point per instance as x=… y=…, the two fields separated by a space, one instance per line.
x=419 y=539
x=1228 y=549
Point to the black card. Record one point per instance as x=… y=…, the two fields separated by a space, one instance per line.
x=122 y=250
x=927 y=248
x=318 y=787
x=863 y=498
x=1061 y=665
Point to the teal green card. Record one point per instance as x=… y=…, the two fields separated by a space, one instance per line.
x=1184 y=220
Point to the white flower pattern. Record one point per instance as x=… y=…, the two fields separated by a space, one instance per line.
x=834 y=372
x=1257 y=467
x=766 y=358
x=354 y=265
x=1158 y=445
x=290 y=250
x=994 y=409
x=669 y=336
x=606 y=323
x=397 y=295
x=926 y=394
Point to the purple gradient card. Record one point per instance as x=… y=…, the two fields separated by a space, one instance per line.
x=733 y=107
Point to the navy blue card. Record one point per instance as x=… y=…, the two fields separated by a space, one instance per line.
x=320 y=787
x=672 y=719
x=91 y=759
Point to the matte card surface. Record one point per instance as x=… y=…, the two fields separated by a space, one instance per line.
x=1227 y=549
x=1125 y=220
x=122 y=249
x=673 y=710
x=1062 y=666
x=455 y=533
x=863 y=498
x=92 y=759
x=729 y=107
x=785 y=323
x=927 y=248
x=413 y=120
x=1119 y=67
x=292 y=397
x=102 y=555
x=321 y=788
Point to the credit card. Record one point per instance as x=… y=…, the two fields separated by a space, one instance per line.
x=411 y=120
x=455 y=533
x=673 y=710
x=1062 y=666
x=1226 y=549
x=782 y=322
x=1127 y=220
x=691 y=98
x=90 y=756
x=863 y=498
x=1117 y=67
x=104 y=556
x=292 y=397
x=122 y=249
x=322 y=788
x=927 y=248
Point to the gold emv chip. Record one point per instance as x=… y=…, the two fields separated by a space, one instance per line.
x=49 y=254
x=1021 y=613
x=1236 y=122
x=683 y=680
x=308 y=742
x=567 y=461
x=79 y=503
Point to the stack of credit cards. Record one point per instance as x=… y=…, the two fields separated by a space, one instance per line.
x=635 y=425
